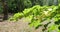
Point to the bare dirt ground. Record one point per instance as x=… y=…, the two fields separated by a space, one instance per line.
x=19 y=26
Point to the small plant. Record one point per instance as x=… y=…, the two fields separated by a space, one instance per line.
x=38 y=14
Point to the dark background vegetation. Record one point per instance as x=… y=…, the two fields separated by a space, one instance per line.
x=19 y=5
x=14 y=6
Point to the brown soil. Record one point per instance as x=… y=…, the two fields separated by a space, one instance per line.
x=19 y=26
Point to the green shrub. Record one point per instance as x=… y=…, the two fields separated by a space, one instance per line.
x=16 y=16
x=38 y=14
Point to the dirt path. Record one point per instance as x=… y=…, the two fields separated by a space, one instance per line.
x=19 y=26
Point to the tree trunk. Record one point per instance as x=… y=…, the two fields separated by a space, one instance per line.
x=5 y=9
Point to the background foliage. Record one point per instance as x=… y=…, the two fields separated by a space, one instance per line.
x=20 y=5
